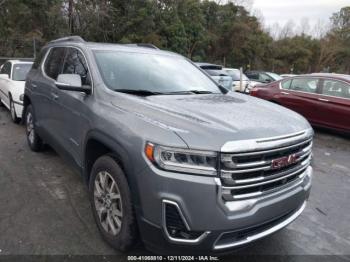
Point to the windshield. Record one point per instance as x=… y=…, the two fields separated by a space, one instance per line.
x=274 y=76
x=20 y=71
x=235 y=75
x=151 y=72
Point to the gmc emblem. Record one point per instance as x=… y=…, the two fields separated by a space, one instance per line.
x=284 y=161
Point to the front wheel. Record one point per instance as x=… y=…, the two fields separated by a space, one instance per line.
x=34 y=141
x=14 y=117
x=111 y=204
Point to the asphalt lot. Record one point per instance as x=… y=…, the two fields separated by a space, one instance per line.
x=44 y=206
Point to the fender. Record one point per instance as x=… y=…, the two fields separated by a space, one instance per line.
x=120 y=152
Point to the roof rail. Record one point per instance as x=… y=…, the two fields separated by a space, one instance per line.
x=143 y=45
x=73 y=38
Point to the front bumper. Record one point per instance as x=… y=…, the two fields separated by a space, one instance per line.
x=224 y=227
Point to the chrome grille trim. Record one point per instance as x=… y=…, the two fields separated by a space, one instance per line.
x=228 y=179
x=251 y=174
x=264 y=182
x=268 y=143
x=227 y=173
x=227 y=155
x=295 y=183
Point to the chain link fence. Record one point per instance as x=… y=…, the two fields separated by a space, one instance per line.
x=19 y=48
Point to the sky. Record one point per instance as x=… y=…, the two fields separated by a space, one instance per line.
x=281 y=11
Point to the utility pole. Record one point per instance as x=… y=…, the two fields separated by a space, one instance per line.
x=34 y=48
x=70 y=16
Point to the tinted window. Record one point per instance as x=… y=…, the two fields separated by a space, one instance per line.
x=235 y=74
x=274 y=76
x=6 y=69
x=151 y=72
x=264 y=78
x=54 y=62
x=286 y=84
x=38 y=59
x=20 y=71
x=254 y=76
x=308 y=85
x=75 y=64
x=336 y=88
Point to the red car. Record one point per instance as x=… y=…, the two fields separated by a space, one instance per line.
x=324 y=99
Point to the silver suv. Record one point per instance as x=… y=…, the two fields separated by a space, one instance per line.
x=169 y=156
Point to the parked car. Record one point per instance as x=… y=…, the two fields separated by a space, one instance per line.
x=287 y=75
x=217 y=73
x=262 y=77
x=236 y=80
x=12 y=77
x=165 y=151
x=324 y=99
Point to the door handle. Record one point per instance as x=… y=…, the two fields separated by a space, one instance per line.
x=284 y=93
x=33 y=85
x=54 y=96
x=322 y=99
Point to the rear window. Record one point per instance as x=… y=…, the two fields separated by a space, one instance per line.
x=54 y=62
x=216 y=72
x=308 y=85
x=38 y=59
x=254 y=76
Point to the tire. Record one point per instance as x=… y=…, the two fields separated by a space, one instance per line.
x=34 y=141
x=115 y=203
x=14 y=117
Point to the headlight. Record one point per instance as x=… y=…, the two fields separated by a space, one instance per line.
x=182 y=160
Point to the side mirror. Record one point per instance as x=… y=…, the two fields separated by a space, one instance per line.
x=71 y=82
x=267 y=81
x=4 y=76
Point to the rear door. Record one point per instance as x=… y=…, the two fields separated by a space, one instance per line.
x=301 y=96
x=45 y=93
x=4 y=84
x=334 y=109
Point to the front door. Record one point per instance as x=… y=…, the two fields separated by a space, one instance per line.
x=4 y=84
x=72 y=106
x=301 y=96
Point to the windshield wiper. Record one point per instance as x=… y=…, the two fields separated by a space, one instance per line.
x=140 y=92
x=188 y=92
x=201 y=92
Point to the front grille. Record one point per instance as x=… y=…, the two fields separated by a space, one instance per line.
x=252 y=174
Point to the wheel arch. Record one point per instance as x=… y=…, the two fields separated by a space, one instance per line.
x=98 y=144
x=26 y=103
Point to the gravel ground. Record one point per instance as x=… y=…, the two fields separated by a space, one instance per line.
x=44 y=206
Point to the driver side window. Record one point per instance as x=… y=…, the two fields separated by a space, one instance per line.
x=75 y=63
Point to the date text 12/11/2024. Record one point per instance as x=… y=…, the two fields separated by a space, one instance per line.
x=173 y=258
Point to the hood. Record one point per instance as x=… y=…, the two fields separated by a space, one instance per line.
x=20 y=85
x=209 y=121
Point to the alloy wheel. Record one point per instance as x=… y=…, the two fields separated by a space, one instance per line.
x=30 y=127
x=12 y=110
x=108 y=203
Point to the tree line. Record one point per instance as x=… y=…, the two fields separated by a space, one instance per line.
x=201 y=30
